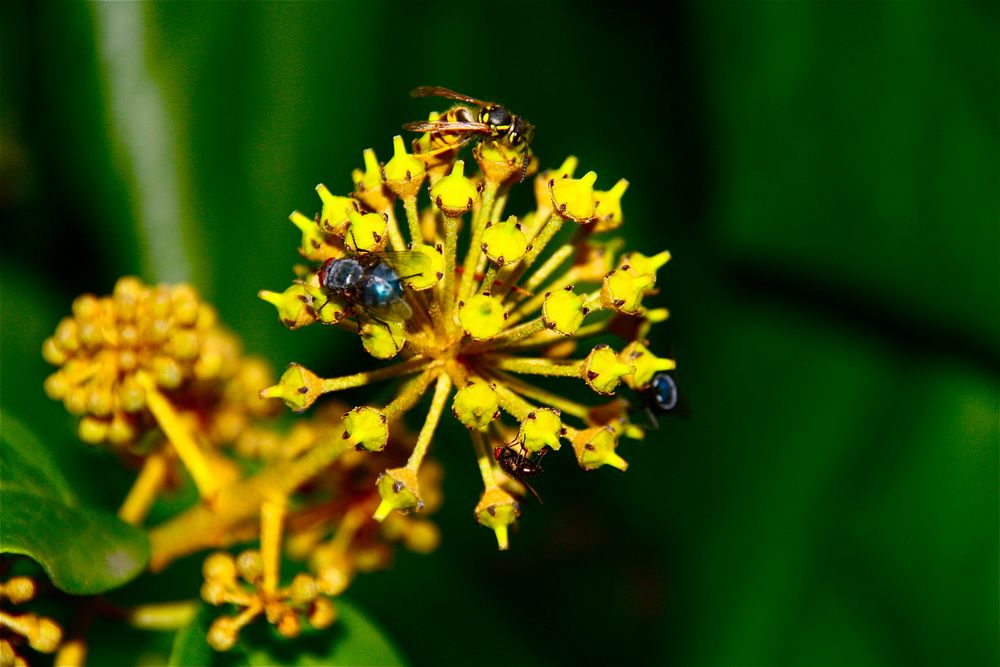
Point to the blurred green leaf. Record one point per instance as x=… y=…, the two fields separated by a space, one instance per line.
x=83 y=551
x=27 y=466
x=352 y=640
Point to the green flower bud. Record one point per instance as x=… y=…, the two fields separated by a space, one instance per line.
x=298 y=388
x=365 y=428
x=399 y=491
x=497 y=509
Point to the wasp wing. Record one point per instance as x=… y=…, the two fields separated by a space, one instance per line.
x=438 y=91
x=446 y=126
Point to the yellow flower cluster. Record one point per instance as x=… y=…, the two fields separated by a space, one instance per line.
x=523 y=298
x=155 y=357
x=41 y=633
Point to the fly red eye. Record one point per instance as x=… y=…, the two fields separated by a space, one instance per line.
x=324 y=272
x=496 y=452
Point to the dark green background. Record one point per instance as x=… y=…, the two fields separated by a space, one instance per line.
x=825 y=175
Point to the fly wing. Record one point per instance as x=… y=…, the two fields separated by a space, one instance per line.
x=395 y=311
x=407 y=264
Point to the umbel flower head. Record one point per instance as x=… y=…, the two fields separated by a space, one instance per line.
x=491 y=333
x=151 y=359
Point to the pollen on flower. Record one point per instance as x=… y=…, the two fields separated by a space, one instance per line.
x=495 y=327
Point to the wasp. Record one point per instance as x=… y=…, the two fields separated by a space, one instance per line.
x=515 y=462
x=460 y=124
x=372 y=282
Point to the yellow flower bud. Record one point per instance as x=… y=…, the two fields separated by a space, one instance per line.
x=220 y=567
x=404 y=173
x=543 y=197
x=293 y=305
x=367 y=232
x=646 y=364
x=429 y=278
x=602 y=369
x=504 y=242
x=595 y=447
x=368 y=186
x=365 y=428
x=644 y=264
x=399 y=491
x=623 y=289
x=323 y=614
x=482 y=316
x=563 y=311
x=250 y=565
x=609 y=207
x=298 y=388
x=313 y=245
x=497 y=509
x=573 y=198
x=455 y=194
x=498 y=162
x=93 y=430
x=303 y=589
x=476 y=404
x=222 y=634
x=541 y=428
x=383 y=340
x=333 y=218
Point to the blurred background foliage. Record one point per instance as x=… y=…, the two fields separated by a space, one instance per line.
x=825 y=176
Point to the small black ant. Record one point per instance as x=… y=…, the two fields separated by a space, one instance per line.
x=516 y=464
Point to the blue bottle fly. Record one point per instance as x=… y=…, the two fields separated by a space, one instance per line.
x=372 y=282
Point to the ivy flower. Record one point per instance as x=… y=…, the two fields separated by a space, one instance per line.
x=488 y=332
x=150 y=359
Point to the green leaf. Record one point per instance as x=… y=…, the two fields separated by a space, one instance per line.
x=352 y=640
x=26 y=465
x=83 y=551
